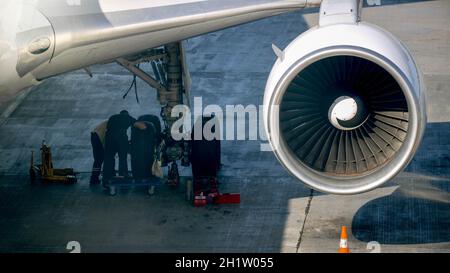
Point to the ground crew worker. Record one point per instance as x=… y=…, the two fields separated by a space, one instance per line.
x=144 y=139
x=98 y=145
x=116 y=142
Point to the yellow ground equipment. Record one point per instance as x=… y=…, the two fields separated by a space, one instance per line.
x=46 y=173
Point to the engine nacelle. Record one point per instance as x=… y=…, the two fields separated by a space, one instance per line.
x=344 y=107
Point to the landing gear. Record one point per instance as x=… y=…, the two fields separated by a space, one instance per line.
x=171 y=76
x=172 y=82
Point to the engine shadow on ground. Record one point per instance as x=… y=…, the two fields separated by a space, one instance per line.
x=420 y=216
x=418 y=212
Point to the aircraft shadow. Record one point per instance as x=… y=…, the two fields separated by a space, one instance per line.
x=418 y=212
x=403 y=219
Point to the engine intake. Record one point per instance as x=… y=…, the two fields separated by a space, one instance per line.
x=377 y=121
x=345 y=109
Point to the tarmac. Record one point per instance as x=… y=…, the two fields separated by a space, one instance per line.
x=277 y=213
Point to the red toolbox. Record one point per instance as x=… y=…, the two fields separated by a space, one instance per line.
x=206 y=191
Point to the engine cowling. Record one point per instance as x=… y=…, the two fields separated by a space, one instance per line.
x=345 y=108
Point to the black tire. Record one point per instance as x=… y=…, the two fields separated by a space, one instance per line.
x=205 y=155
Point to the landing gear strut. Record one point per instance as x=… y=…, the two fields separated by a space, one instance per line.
x=172 y=82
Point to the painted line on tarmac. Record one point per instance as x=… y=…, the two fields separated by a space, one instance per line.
x=307 y=209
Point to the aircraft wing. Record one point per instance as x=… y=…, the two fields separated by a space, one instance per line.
x=93 y=31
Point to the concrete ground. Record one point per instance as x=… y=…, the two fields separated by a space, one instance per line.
x=277 y=213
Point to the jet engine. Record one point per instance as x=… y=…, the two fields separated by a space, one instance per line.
x=344 y=105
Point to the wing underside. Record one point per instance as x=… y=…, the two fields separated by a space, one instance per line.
x=85 y=29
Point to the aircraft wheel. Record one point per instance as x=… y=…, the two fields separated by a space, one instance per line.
x=205 y=155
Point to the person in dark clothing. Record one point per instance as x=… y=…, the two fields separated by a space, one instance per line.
x=144 y=138
x=98 y=144
x=116 y=142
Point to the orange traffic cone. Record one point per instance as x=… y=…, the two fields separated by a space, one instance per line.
x=343 y=244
